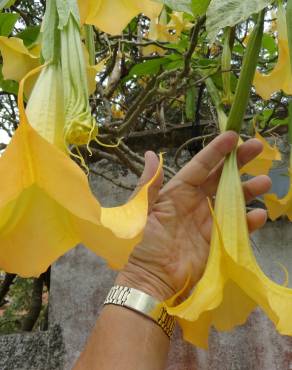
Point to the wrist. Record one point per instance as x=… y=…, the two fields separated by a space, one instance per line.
x=134 y=276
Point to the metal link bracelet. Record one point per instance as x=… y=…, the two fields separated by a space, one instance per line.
x=142 y=303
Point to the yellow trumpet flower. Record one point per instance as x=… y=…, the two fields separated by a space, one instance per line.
x=158 y=32
x=165 y=32
x=233 y=284
x=18 y=61
x=178 y=23
x=46 y=206
x=112 y=16
x=280 y=78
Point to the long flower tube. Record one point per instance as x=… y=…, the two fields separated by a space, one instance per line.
x=233 y=284
x=112 y=16
x=46 y=205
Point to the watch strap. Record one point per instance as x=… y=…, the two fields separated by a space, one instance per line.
x=142 y=303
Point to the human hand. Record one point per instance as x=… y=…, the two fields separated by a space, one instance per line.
x=178 y=231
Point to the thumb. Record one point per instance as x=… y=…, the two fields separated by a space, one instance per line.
x=150 y=169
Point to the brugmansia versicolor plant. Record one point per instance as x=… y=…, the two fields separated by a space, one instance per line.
x=46 y=206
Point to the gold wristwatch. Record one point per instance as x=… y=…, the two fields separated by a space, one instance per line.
x=142 y=303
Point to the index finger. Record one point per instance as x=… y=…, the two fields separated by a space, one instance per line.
x=198 y=169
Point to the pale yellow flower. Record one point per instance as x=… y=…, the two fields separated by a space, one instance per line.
x=112 y=16
x=280 y=78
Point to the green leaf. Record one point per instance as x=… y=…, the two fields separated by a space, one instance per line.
x=223 y=13
x=150 y=67
x=199 y=7
x=179 y=5
x=6 y=3
x=269 y=43
x=7 y=22
x=280 y=122
x=8 y=85
x=29 y=35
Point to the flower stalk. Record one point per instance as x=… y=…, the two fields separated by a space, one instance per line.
x=248 y=69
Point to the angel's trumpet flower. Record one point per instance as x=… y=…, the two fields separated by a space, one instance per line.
x=233 y=284
x=112 y=16
x=46 y=206
x=280 y=78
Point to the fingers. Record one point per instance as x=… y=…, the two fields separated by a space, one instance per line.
x=245 y=153
x=255 y=187
x=256 y=219
x=199 y=168
x=151 y=165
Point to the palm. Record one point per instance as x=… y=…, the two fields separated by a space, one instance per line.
x=180 y=225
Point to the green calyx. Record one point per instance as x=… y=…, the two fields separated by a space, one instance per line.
x=80 y=127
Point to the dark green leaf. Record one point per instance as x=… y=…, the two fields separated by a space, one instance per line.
x=150 y=67
x=29 y=35
x=7 y=22
x=199 y=7
x=269 y=43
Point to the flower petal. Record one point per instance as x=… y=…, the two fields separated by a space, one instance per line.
x=17 y=59
x=112 y=16
x=279 y=206
x=262 y=164
x=42 y=193
x=122 y=228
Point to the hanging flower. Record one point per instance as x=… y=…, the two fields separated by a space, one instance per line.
x=18 y=61
x=280 y=206
x=179 y=23
x=46 y=206
x=162 y=31
x=158 y=31
x=112 y=16
x=233 y=284
x=280 y=78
